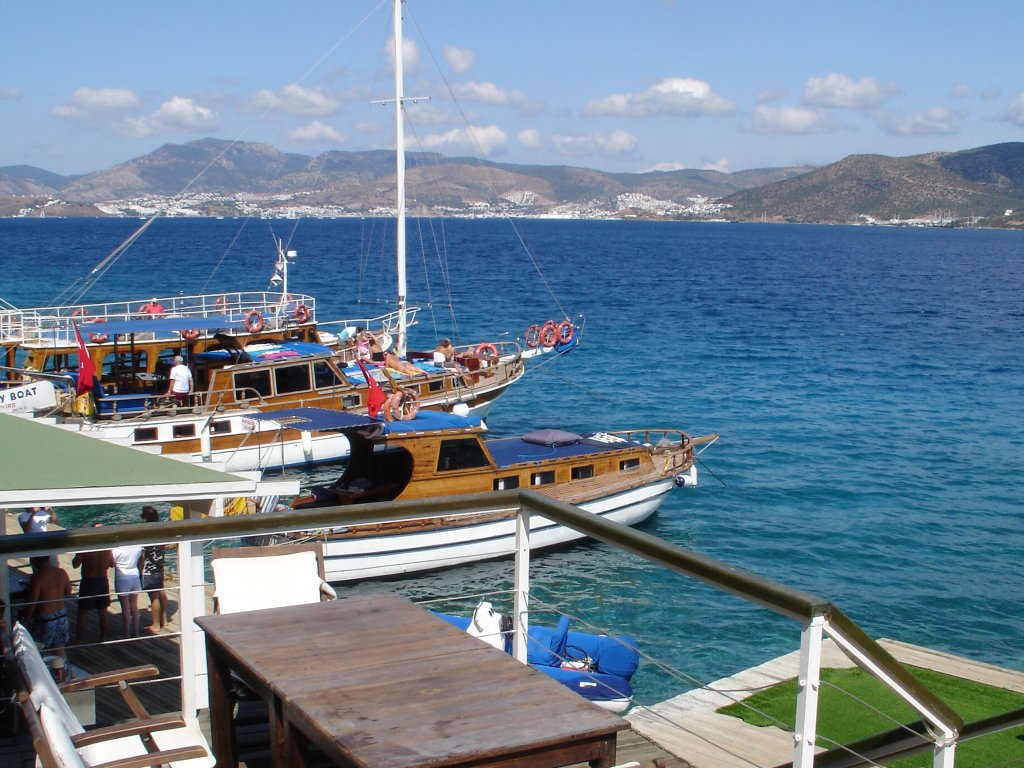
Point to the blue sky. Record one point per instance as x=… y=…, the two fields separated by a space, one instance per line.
x=618 y=86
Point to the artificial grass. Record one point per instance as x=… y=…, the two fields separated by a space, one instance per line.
x=842 y=718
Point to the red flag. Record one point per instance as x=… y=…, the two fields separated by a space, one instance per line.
x=377 y=397
x=86 y=367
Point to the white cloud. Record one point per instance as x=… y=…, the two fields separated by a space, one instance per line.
x=489 y=93
x=92 y=102
x=529 y=138
x=665 y=167
x=766 y=95
x=721 y=165
x=179 y=115
x=789 y=120
x=7 y=94
x=962 y=91
x=1014 y=114
x=672 y=96
x=315 y=133
x=295 y=100
x=835 y=90
x=487 y=140
x=425 y=113
x=579 y=144
x=459 y=59
x=937 y=121
x=410 y=55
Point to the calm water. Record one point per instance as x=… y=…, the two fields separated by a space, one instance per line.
x=867 y=384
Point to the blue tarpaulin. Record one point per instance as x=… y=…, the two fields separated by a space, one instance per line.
x=161 y=325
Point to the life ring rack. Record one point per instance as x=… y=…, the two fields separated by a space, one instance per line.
x=253 y=321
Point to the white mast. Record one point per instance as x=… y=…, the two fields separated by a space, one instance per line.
x=400 y=183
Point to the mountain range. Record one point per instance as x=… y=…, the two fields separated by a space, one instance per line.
x=215 y=177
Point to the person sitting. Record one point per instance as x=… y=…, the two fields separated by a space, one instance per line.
x=153 y=308
x=444 y=355
x=35 y=519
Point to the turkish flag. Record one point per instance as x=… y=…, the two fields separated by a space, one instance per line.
x=86 y=367
x=377 y=397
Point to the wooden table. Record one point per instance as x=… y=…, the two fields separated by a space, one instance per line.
x=378 y=681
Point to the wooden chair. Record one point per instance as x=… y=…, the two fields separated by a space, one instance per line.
x=253 y=578
x=62 y=742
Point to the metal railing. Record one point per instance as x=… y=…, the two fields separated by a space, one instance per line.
x=816 y=616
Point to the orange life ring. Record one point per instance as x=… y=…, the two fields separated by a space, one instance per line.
x=80 y=312
x=549 y=334
x=566 y=332
x=532 y=336
x=98 y=338
x=487 y=348
x=409 y=404
x=254 y=321
x=302 y=313
x=190 y=335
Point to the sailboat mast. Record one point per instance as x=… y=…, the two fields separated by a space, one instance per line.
x=400 y=182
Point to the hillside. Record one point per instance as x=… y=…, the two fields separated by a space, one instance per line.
x=983 y=182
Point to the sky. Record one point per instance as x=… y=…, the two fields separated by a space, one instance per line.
x=617 y=86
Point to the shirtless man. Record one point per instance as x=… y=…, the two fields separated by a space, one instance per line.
x=94 y=589
x=45 y=613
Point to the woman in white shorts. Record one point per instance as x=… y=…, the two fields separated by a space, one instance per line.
x=128 y=584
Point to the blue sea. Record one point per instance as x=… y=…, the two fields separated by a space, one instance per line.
x=868 y=384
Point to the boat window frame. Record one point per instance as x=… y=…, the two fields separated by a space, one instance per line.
x=456 y=454
x=285 y=372
x=542 y=477
x=582 y=472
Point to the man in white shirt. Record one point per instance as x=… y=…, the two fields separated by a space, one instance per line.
x=35 y=519
x=180 y=381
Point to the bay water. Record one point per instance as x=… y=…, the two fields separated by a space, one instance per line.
x=868 y=385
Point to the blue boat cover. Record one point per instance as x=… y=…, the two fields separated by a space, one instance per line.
x=514 y=450
x=432 y=420
x=160 y=324
x=315 y=419
x=269 y=351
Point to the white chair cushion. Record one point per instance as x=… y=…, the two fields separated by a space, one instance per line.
x=273 y=581
x=189 y=735
x=42 y=688
x=59 y=740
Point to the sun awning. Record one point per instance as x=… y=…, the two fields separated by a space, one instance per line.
x=161 y=325
x=310 y=419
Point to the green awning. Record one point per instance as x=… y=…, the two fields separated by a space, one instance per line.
x=44 y=464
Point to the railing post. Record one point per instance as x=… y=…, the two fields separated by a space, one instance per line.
x=192 y=603
x=805 y=733
x=522 y=584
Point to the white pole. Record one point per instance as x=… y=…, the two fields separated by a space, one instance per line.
x=521 y=607
x=400 y=342
x=192 y=603
x=805 y=734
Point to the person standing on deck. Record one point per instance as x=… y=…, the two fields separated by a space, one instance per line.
x=128 y=584
x=45 y=614
x=94 y=588
x=179 y=381
x=153 y=576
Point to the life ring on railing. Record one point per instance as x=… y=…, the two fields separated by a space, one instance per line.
x=532 y=336
x=254 y=321
x=566 y=332
x=549 y=334
x=98 y=338
x=191 y=335
x=487 y=348
x=301 y=313
x=80 y=312
x=402 y=405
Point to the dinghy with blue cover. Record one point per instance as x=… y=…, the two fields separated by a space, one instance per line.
x=597 y=667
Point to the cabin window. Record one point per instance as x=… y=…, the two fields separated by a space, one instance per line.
x=252 y=383
x=145 y=434
x=582 y=473
x=292 y=378
x=350 y=401
x=436 y=385
x=220 y=427
x=324 y=376
x=464 y=453
x=185 y=430
x=629 y=465
x=506 y=483
x=542 y=478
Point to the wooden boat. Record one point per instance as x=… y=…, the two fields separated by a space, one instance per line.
x=622 y=476
x=597 y=667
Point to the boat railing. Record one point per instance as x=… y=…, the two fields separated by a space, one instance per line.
x=386 y=323
x=54 y=325
x=815 y=617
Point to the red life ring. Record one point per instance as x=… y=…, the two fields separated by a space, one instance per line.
x=487 y=348
x=409 y=404
x=566 y=332
x=98 y=338
x=549 y=334
x=80 y=312
x=190 y=335
x=254 y=321
x=302 y=313
x=532 y=336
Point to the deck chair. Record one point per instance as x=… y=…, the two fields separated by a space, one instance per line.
x=253 y=578
x=61 y=740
